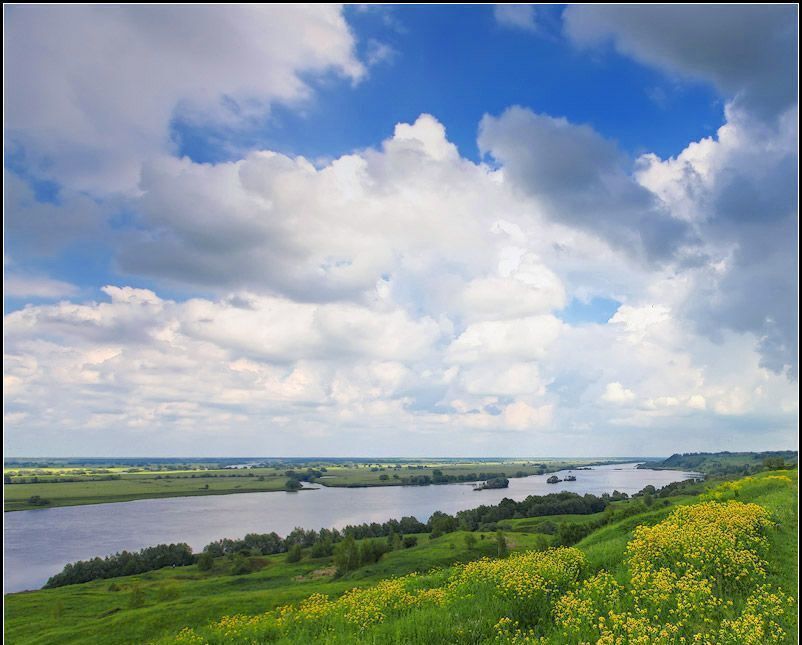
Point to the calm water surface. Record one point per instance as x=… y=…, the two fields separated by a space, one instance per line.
x=39 y=543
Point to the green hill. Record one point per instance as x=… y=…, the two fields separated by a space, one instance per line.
x=728 y=463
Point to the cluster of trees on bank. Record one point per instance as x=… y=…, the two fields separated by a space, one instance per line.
x=320 y=543
x=125 y=563
x=484 y=518
x=305 y=476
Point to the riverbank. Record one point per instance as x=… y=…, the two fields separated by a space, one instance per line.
x=57 y=487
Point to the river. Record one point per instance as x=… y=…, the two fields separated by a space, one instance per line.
x=38 y=543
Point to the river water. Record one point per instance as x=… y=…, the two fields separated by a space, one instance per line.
x=38 y=543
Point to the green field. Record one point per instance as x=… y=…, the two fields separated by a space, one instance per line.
x=159 y=604
x=121 y=484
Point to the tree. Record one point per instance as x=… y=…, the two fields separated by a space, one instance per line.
x=410 y=541
x=440 y=523
x=240 y=565
x=322 y=548
x=346 y=555
x=470 y=541
x=205 y=561
x=774 y=463
x=501 y=544
x=293 y=484
x=371 y=551
x=393 y=540
x=495 y=482
x=294 y=554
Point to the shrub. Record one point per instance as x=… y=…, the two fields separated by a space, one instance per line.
x=205 y=561
x=240 y=565
x=409 y=541
x=321 y=549
x=293 y=484
x=294 y=554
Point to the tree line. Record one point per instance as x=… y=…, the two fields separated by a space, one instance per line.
x=125 y=563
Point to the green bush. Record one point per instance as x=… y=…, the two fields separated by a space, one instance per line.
x=409 y=541
x=295 y=553
x=205 y=561
x=240 y=565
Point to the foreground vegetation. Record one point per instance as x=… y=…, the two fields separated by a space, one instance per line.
x=30 y=485
x=702 y=574
x=717 y=560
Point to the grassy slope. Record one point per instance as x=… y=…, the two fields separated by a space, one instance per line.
x=91 y=613
x=187 y=597
x=184 y=483
x=720 y=462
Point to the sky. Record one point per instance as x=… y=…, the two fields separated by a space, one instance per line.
x=511 y=230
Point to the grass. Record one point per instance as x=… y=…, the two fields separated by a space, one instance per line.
x=90 y=612
x=184 y=482
x=128 y=489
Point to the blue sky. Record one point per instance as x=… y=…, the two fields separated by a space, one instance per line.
x=458 y=64
x=308 y=230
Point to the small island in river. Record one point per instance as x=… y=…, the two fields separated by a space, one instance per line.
x=495 y=482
